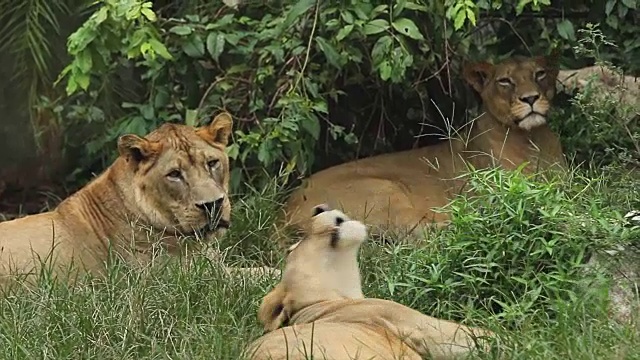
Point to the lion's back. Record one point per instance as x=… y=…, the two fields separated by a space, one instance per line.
x=28 y=240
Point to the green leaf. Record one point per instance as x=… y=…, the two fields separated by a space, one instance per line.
x=631 y=4
x=344 y=32
x=264 y=153
x=194 y=47
x=101 y=16
x=83 y=81
x=459 y=20
x=608 y=8
x=375 y=26
x=162 y=98
x=398 y=7
x=612 y=21
x=362 y=10
x=233 y=151
x=417 y=7
x=622 y=11
x=565 y=30
x=160 y=49
x=215 y=45
x=296 y=11
x=182 y=30
x=347 y=17
x=72 y=86
x=84 y=61
x=191 y=117
x=149 y=14
x=380 y=9
x=381 y=48
x=471 y=15
x=312 y=126
x=385 y=70
x=330 y=52
x=521 y=5
x=407 y=28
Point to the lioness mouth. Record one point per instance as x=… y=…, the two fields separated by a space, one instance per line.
x=518 y=121
x=213 y=226
x=219 y=224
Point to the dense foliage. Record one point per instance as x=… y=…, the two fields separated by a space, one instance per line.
x=306 y=79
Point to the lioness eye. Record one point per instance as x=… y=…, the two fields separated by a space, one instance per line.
x=212 y=164
x=175 y=175
x=540 y=75
x=504 y=81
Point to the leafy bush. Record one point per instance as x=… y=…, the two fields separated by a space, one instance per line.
x=600 y=126
x=306 y=80
x=514 y=248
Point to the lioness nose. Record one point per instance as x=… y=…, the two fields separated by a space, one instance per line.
x=212 y=208
x=530 y=99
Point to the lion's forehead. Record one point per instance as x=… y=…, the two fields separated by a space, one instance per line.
x=522 y=71
x=193 y=158
x=180 y=141
x=177 y=136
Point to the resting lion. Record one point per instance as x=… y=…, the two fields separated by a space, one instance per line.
x=174 y=182
x=400 y=189
x=318 y=308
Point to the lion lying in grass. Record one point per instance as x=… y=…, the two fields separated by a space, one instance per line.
x=400 y=189
x=174 y=182
x=625 y=88
x=318 y=308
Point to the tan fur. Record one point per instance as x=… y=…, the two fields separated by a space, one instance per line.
x=158 y=185
x=319 y=305
x=610 y=84
x=400 y=189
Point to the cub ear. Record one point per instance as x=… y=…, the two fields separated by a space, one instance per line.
x=272 y=313
x=477 y=74
x=219 y=130
x=319 y=209
x=136 y=148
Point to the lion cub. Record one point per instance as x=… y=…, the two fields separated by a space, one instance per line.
x=321 y=310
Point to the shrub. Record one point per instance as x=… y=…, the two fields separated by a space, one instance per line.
x=306 y=80
x=600 y=126
x=515 y=247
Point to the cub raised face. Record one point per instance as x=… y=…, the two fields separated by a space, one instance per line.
x=518 y=91
x=179 y=176
x=323 y=266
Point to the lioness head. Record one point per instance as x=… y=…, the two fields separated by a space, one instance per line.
x=323 y=266
x=517 y=92
x=178 y=176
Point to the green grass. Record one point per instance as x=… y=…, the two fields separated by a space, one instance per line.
x=169 y=312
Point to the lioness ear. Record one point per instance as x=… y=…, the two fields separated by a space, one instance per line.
x=135 y=147
x=219 y=130
x=477 y=74
x=550 y=63
x=272 y=313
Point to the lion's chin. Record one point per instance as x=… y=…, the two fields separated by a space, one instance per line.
x=217 y=228
x=531 y=121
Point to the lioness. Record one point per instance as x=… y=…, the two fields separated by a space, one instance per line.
x=174 y=181
x=612 y=85
x=400 y=189
x=320 y=306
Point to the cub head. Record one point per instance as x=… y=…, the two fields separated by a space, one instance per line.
x=177 y=177
x=517 y=92
x=323 y=266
